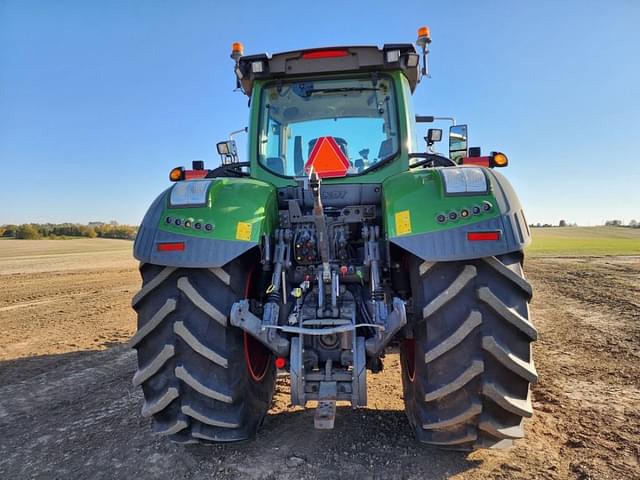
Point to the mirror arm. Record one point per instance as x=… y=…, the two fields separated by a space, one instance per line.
x=425 y=118
x=236 y=132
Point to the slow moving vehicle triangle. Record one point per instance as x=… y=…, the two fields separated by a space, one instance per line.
x=327 y=159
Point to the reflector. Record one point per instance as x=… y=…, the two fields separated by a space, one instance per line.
x=327 y=159
x=170 y=247
x=483 y=236
x=481 y=161
x=194 y=174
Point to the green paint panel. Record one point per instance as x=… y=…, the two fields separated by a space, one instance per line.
x=240 y=209
x=412 y=200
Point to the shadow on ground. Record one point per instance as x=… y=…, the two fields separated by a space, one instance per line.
x=21 y=369
x=76 y=415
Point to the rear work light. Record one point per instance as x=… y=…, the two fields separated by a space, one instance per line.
x=170 y=247
x=334 y=53
x=483 y=236
x=464 y=180
x=393 y=56
x=257 y=67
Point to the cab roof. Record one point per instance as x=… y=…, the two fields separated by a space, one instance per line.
x=328 y=60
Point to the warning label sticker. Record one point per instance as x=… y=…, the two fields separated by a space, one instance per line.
x=403 y=222
x=243 y=231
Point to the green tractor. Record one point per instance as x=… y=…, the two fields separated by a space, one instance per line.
x=337 y=240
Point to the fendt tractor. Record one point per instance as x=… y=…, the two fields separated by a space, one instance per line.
x=336 y=241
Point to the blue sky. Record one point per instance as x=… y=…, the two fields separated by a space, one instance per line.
x=100 y=99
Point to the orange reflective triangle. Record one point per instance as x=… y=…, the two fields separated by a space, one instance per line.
x=327 y=159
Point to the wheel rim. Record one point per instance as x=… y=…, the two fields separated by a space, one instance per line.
x=256 y=355
x=409 y=349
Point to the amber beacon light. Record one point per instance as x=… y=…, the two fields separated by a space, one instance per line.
x=237 y=50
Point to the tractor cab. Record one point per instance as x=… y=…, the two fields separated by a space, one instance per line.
x=340 y=111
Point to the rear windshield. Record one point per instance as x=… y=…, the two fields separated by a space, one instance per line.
x=359 y=113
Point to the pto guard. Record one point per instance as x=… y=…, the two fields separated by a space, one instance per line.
x=414 y=199
x=239 y=211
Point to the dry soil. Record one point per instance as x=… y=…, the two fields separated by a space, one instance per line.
x=68 y=410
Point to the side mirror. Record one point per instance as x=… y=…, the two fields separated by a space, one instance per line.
x=433 y=135
x=228 y=151
x=458 y=142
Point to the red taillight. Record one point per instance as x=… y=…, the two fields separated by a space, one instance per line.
x=481 y=161
x=280 y=362
x=325 y=54
x=170 y=247
x=191 y=174
x=483 y=236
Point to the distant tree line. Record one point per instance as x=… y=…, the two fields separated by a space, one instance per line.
x=619 y=223
x=34 y=231
x=608 y=223
x=561 y=223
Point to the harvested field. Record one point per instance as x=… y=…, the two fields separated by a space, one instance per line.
x=581 y=241
x=68 y=410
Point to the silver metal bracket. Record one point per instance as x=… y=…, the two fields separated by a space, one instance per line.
x=242 y=317
x=392 y=324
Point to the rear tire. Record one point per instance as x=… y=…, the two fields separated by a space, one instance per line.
x=466 y=372
x=202 y=379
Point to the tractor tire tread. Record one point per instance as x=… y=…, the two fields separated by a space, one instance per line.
x=191 y=361
x=473 y=364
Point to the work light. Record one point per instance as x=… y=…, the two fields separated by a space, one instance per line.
x=464 y=180
x=189 y=193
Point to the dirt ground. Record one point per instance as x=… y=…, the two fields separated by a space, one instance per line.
x=68 y=410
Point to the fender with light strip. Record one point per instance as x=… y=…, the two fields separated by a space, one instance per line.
x=432 y=213
x=206 y=223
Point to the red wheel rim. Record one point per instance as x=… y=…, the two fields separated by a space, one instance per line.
x=409 y=349
x=256 y=355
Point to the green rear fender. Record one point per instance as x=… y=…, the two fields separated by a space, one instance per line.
x=414 y=200
x=236 y=214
